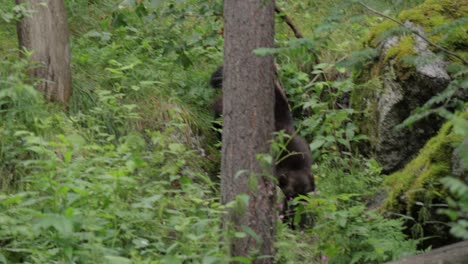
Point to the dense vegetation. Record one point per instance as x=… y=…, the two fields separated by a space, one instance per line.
x=128 y=173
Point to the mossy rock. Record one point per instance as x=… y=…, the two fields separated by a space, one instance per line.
x=414 y=190
x=443 y=20
x=420 y=177
x=397 y=83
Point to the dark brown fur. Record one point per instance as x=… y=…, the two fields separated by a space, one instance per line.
x=293 y=170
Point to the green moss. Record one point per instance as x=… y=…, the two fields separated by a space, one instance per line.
x=428 y=15
x=419 y=180
x=430 y=11
x=404 y=48
x=433 y=16
x=375 y=34
x=365 y=102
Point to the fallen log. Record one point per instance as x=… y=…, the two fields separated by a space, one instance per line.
x=452 y=254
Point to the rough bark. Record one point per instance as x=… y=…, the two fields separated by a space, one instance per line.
x=248 y=110
x=453 y=254
x=46 y=34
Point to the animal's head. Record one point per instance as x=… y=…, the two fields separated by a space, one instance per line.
x=296 y=182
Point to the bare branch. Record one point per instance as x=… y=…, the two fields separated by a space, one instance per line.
x=288 y=21
x=451 y=53
x=296 y=31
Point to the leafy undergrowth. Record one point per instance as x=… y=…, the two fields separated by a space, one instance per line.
x=98 y=203
x=341 y=227
x=127 y=174
x=86 y=188
x=77 y=193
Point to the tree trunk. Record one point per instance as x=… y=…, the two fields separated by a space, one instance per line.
x=248 y=110
x=46 y=34
x=452 y=254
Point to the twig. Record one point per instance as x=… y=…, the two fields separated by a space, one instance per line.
x=453 y=54
x=296 y=31
x=288 y=21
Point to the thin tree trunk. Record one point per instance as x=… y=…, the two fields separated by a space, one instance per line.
x=46 y=34
x=248 y=109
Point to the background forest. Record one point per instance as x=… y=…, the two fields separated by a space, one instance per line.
x=129 y=171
